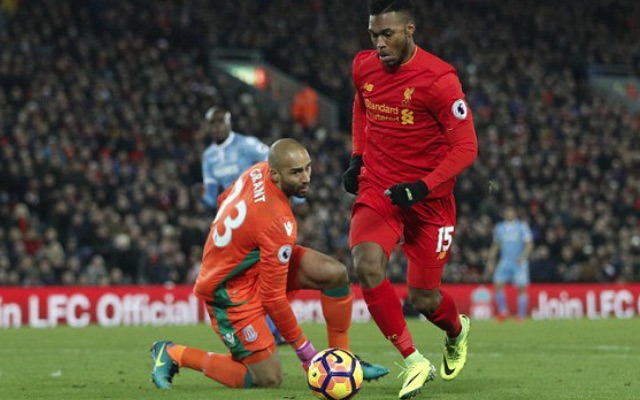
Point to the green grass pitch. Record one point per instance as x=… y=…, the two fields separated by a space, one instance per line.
x=570 y=359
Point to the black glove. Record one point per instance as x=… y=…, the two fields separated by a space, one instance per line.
x=407 y=194
x=350 y=176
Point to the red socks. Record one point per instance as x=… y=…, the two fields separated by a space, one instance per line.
x=446 y=316
x=386 y=310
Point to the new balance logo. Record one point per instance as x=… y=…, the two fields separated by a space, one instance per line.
x=409 y=194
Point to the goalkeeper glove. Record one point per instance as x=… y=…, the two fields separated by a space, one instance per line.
x=407 y=194
x=305 y=353
x=350 y=176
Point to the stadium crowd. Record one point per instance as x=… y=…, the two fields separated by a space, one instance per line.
x=101 y=106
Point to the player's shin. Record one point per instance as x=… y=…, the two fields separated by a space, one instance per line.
x=523 y=304
x=386 y=310
x=446 y=316
x=501 y=302
x=219 y=367
x=337 y=305
x=224 y=369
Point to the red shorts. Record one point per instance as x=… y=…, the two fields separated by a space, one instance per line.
x=427 y=229
x=243 y=328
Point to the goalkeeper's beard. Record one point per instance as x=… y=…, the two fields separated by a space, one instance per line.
x=299 y=191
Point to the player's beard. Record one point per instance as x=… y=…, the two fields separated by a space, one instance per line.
x=403 y=54
x=299 y=191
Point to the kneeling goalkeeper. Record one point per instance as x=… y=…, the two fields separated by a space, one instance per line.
x=251 y=267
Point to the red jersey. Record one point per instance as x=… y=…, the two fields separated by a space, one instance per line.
x=412 y=123
x=248 y=249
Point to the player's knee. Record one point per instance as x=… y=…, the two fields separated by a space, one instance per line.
x=274 y=381
x=334 y=275
x=369 y=274
x=369 y=269
x=339 y=275
x=271 y=379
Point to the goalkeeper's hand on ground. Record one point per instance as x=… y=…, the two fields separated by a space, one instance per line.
x=305 y=353
x=407 y=194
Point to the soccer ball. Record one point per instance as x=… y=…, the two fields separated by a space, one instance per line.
x=334 y=374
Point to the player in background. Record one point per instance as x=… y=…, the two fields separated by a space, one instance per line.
x=224 y=160
x=227 y=156
x=251 y=263
x=412 y=134
x=512 y=238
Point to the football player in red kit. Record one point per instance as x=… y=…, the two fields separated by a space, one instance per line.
x=413 y=133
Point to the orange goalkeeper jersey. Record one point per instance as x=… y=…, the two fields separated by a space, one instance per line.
x=248 y=249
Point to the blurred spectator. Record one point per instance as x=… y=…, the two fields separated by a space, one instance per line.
x=304 y=108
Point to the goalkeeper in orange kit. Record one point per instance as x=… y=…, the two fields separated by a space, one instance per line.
x=251 y=263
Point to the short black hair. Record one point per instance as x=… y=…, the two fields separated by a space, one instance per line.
x=377 y=7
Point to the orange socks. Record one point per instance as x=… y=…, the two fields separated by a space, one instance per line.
x=176 y=351
x=224 y=369
x=337 y=314
x=219 y=367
